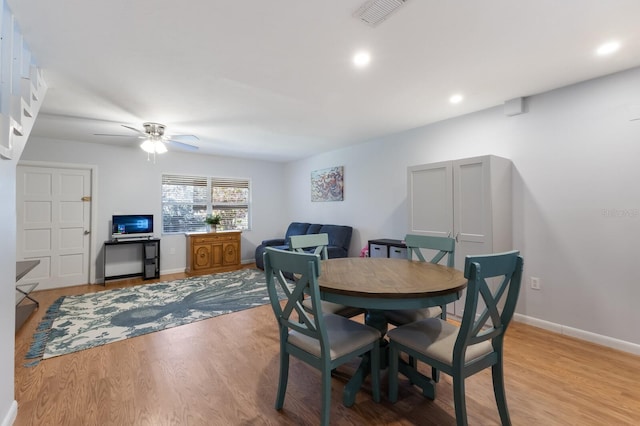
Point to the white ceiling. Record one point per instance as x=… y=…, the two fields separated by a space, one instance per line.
x=274 y=79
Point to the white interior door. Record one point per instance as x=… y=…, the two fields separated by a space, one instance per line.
x=53 y=223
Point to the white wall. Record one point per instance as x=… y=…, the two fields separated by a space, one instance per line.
x=576 y=196
x=7 y=291
x=8 y=406
x=127 y=184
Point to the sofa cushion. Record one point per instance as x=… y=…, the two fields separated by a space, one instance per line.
x=339 y=236
x=314 y=228
x=339 y=239
x=296 y=228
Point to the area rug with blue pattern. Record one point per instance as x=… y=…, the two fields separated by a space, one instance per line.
x=75 y=323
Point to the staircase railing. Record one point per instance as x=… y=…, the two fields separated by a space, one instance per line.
x=22 y=87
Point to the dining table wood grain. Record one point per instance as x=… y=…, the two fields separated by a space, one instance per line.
x=399 y=283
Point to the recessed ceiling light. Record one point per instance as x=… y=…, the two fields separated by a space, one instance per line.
x=608 y=48
x=361 y=59
x=456 y=99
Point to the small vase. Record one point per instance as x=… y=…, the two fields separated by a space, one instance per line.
x=207 y=227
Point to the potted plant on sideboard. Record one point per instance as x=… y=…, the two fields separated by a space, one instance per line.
x=212 y=222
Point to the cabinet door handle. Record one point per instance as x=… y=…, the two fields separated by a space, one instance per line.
x=457 y=233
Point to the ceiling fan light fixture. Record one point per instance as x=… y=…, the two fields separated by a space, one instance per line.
x=147 y=146
x=154 y=129
x=153 y=146
x=160 y=147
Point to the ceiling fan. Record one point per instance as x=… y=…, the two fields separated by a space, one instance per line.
x=155 y=139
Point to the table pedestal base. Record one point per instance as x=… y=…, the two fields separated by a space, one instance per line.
x=377 y=320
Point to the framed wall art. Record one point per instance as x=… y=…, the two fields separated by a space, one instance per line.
x=327 y=184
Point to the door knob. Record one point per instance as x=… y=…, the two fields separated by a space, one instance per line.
x=87 y=232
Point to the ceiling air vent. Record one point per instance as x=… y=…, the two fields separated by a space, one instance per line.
x=375 y=11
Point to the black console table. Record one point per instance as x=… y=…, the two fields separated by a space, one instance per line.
x=150 y=258
x=386 y=247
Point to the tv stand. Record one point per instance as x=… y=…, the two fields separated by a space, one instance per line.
x=150 y=248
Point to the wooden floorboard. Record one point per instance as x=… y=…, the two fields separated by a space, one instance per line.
x=224 y=371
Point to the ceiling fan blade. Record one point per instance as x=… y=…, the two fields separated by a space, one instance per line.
x=182 y=145
x=185 y=138
x=118 y=136
x=134 y=129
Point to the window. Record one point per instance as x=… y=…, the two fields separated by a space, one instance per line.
x=187 y=200
x=230 y=199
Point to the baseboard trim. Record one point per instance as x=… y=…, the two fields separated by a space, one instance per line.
x=599 y=339
x=173 y=271
x=11 y=415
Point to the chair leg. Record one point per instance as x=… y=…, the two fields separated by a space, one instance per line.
x=459 y=400
x=284 y=377
x=326 y=396
x=435 y=374
x=375 y=372
x=393 y=373
x=497 y=373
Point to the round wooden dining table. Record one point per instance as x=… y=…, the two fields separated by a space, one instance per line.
x=379 y=284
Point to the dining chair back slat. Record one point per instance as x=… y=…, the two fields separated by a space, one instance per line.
x=318 y=242
x=446 y=247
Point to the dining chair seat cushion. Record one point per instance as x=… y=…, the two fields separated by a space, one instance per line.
x=436 y=338
x=344 y=336
x=334 y=308
x=407 y=316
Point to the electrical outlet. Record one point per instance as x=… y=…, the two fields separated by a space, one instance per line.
x=535 y=283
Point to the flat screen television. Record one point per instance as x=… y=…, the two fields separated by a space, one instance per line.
x=131 y=226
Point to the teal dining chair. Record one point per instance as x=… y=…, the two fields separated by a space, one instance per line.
x=317 y=244
x=473 y=346
x=324 y=341
x=444 y=246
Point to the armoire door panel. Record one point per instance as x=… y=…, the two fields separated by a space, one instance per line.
x=472 y=202
x=430 y=200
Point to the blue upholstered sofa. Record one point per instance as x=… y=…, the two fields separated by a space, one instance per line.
x=339 y=239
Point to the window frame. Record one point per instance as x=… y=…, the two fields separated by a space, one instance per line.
x=208 y=204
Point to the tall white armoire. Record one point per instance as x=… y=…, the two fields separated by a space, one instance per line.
x=467 y=199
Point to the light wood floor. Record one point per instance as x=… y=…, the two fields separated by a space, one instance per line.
x=224 y=370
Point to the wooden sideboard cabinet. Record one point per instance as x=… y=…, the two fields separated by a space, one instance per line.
x=212 y=252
